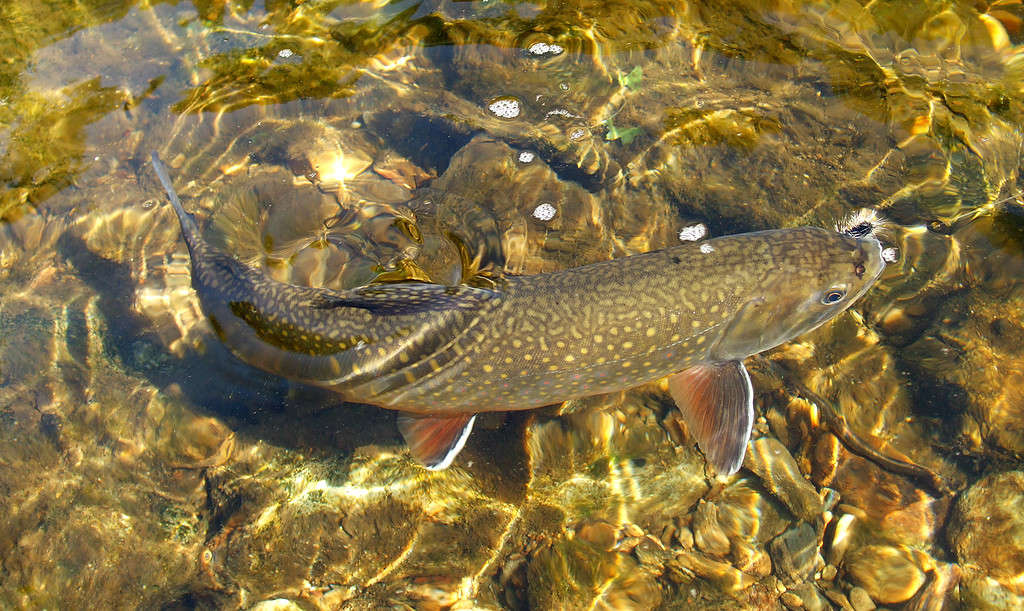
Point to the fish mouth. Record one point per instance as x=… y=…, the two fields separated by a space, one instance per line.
x=872 y=258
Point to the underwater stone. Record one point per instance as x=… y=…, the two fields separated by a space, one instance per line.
x=685 y=538
x=794 y=553
x=861 y=600
x=810 y=597
x=601 y=535
x=987 y=529
x=772 y=462
x=749 y=559
x=720 y=574
x=829 y=572
x=889 y=574
x=987 y=593
x=573 y=574
x=707 y=532
x=791 y=600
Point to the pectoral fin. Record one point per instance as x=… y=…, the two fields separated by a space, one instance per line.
x=435 y=441
x=717 y=403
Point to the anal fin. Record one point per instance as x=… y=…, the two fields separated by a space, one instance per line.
x=717 y=403
x=435 y=441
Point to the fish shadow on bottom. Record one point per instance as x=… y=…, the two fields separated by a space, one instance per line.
x=254 y=404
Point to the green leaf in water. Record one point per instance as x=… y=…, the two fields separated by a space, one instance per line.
x=626 y=135
x=631 y=80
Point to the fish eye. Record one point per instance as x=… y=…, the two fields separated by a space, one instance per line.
x=832 y=296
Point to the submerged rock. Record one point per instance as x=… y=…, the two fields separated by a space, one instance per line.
x=889 y=574
x=987 y=528
x=573 y=574
x=773 y=463
x=795 y=554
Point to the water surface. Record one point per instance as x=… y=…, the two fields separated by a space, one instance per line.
x=331 y=143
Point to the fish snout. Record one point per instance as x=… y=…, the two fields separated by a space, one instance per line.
x=869 y=261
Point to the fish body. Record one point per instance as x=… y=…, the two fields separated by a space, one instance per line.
x=441 y=354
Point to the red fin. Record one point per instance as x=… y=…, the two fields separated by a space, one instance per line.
x=717 y=402
x=435 y=441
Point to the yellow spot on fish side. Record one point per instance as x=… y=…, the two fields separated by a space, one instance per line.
x=488 y=369
x=552 y=367
x=700 y=340
x=584 y=351
x=569 y=358
x=651 y=332
x=598 y=339
x=528 y=357
x=627 y=345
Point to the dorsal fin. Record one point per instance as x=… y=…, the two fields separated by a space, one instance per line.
x=405 y=298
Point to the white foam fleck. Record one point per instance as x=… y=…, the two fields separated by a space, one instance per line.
x=506 y=108
x=707 y=248
x=543 y=48
x=561 y=112
x=544 y=212
x=285 y=53
x=693 y=233
x=526 y=157
x=890 y=255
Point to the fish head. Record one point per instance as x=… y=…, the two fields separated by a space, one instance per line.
x=803 y=278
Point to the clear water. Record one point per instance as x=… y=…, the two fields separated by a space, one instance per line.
x=331 y=143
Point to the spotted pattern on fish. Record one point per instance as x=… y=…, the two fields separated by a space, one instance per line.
x=695 y=310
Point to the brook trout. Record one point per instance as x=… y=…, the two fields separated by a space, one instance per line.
x=442 y=354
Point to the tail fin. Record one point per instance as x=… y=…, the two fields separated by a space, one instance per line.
x=188 y=223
